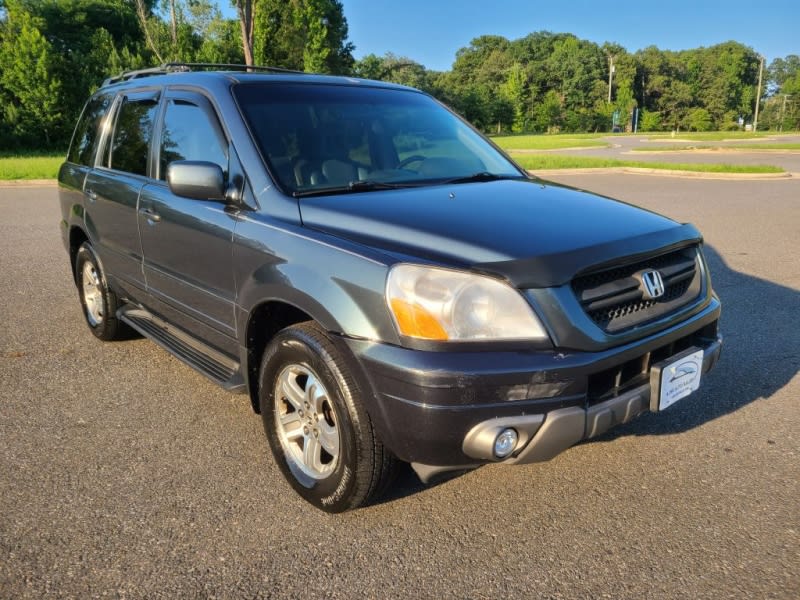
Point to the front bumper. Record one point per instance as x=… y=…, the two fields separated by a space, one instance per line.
x=425 y=404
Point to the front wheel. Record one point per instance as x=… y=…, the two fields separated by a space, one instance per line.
x=320 y=435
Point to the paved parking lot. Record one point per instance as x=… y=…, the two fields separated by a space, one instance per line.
x=126 y=474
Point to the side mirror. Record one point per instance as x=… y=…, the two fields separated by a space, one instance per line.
x=196 y=179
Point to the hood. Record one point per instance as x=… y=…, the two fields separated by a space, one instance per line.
x=533 y=233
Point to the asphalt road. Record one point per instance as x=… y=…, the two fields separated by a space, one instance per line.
x=124 y=473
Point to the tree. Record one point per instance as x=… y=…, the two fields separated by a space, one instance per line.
x=33 y=94
x=699 y=120
x=515 y=91
x=305 y=35
x=650 y=121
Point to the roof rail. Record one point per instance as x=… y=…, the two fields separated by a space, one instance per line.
x=181 y=67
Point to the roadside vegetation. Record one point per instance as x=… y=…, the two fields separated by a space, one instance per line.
x=559 y=161
x=30 y=166
x=549 y=142
x=53 y=54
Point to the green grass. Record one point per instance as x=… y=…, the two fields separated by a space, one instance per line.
x=30 y=166
x=549 y=142
x=553 y=161
x=765 y=146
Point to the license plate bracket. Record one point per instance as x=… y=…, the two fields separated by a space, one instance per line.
x=675 y=378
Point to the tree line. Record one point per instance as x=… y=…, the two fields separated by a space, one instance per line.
x=54 y=53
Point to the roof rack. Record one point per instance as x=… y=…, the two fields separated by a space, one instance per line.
x=181 y=67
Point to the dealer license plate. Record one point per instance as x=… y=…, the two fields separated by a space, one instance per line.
x=677 y=377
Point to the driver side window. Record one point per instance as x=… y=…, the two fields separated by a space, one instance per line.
x=189 y=134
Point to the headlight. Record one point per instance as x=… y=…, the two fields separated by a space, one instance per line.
x=440 y=304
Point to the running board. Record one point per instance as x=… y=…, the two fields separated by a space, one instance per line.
x=219 y=368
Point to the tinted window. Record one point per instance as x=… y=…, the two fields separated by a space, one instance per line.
x=87 y=132
x=132 y=134
x=329 y=136
x=189 y=134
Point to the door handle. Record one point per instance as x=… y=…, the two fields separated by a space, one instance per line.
x=150 y=214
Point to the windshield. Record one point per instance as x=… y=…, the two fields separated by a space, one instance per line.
x=332 y=138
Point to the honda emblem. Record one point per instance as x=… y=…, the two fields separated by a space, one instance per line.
x=652 y=285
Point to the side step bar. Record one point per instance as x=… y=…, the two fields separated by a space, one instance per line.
x=218 y=367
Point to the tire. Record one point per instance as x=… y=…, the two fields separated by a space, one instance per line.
x=98 y=301
x=320 y=434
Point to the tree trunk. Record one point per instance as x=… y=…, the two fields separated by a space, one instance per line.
x=173 y=23
x=246 y=9
x=142 y=14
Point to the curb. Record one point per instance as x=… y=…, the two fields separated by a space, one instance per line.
x=544 y=173
x=721 y=150
x=28 y=183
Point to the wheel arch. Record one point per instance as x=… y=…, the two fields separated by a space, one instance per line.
x=76 y=238
x=264 y=321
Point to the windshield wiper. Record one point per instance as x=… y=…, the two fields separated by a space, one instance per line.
x=353 y=186
x=481 y=176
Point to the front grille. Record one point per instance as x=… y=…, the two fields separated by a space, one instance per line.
x=614 y=300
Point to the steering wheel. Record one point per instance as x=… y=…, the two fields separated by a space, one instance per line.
x=407 y=161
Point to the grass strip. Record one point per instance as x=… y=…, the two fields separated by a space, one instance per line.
x=740 y=147
x=552 y=161
x=30 y=167
x=549 y=142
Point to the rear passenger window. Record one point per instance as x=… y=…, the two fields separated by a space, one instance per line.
x=87 y=132
x=190 y=134
x=132 y=134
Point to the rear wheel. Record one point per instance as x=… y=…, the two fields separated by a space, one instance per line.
x=320 y=435
x=99 y=302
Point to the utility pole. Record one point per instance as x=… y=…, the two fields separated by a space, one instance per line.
x=610 y=74
x=758 y=93
x=783 y=111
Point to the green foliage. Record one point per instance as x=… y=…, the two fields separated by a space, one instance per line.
x=650 y=121
x=546 y=142
x=306 y=35
x=53 y=53
x=783 y=111
x=397 y=69
x=32 y=94
x=699 y=120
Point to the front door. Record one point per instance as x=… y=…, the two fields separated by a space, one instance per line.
x=187 y=244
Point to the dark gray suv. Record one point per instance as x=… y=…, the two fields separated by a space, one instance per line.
x=381 y=280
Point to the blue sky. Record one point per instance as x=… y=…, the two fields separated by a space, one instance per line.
x=431 y=31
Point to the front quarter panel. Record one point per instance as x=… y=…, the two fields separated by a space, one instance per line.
x=329 y=279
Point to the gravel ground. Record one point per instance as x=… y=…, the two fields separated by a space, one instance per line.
x=126 y=474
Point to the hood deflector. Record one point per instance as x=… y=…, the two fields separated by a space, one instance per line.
x=552 y=270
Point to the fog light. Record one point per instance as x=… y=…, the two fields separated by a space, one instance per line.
x=505 y=443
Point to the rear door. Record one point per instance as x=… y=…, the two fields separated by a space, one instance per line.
x=112 y=188
x=187 y=243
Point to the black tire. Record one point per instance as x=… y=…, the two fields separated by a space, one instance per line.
x=98 y=301
x=305 y=356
